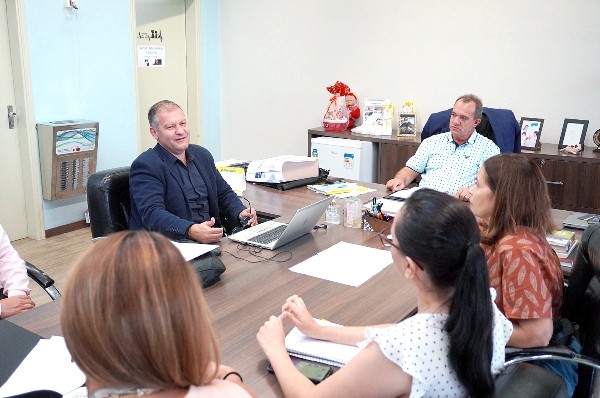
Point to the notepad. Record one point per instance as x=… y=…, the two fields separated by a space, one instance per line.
x=343 y=190
x=299 y=345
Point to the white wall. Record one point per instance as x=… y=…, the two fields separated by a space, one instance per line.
x=539 y=58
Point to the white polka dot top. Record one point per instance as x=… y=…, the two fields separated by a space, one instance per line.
x=419 y=345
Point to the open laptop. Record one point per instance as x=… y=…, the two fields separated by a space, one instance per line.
x=272 y=234
x=581 y=220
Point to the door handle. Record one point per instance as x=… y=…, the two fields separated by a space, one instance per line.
x=11 y=117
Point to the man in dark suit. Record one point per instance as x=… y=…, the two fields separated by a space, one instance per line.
x=175 y=187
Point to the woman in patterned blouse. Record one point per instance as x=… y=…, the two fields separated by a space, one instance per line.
x=511 y=200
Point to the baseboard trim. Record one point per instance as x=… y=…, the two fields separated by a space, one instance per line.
x=63 y=229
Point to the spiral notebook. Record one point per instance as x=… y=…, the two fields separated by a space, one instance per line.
x=299 y=345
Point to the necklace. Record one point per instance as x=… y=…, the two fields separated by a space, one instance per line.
x=122 y=392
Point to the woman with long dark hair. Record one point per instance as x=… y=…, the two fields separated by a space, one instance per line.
x=455 y=343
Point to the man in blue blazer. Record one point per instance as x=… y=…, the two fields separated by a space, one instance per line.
x=175 y=187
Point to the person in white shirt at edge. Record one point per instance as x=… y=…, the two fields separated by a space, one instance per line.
x=452 y=347
x=14 y=280
x=448 y=162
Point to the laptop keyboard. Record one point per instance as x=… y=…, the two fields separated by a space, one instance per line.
x=268 y=236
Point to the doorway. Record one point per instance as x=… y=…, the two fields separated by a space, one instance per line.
x=167 y=61
x=20 y=196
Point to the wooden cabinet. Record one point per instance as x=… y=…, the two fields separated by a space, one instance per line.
x=573 y=180
x=393 y=157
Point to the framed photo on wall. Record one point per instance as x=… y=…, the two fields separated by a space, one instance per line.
x=407 y=124
x=573 y=133
x=531 y=130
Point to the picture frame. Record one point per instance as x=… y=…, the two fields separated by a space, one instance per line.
x=573 y=132
x=531 y=130
x=407 y=124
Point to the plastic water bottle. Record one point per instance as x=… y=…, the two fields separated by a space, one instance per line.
x=332 y=215
x=353 y=213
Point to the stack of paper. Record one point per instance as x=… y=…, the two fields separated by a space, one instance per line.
x=235 y=177
x=343 y=190
x=301 y=346
x=561 y=241
x=566 y=259
x=47 y=367
x=404 y=193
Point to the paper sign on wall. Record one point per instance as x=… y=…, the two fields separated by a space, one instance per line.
x=151 y=56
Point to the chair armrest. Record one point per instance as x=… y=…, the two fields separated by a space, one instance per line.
x=527 y=380
x=42 y=279
x=39 y=276
x=514 y=356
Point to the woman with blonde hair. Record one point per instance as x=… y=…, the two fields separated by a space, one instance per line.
x=511 y=199
x=135 y=321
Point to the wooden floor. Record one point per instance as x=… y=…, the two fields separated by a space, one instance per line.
x=54 y=256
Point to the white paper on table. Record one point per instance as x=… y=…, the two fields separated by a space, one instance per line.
x=345 y=263
x=47 y=367
x=405 y=193
x=389 y=206
x=191 y=250
x=354 y=193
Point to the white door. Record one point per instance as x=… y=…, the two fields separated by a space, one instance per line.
x=160 y=57
x=12 y=197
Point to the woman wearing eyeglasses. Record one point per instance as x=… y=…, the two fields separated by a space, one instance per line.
x=511 y=199
x=453 y=346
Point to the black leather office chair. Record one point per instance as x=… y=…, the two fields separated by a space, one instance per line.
x=582 y=307
x=108 y=201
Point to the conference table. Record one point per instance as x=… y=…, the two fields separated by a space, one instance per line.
x=250 y=291
x=254 y=287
